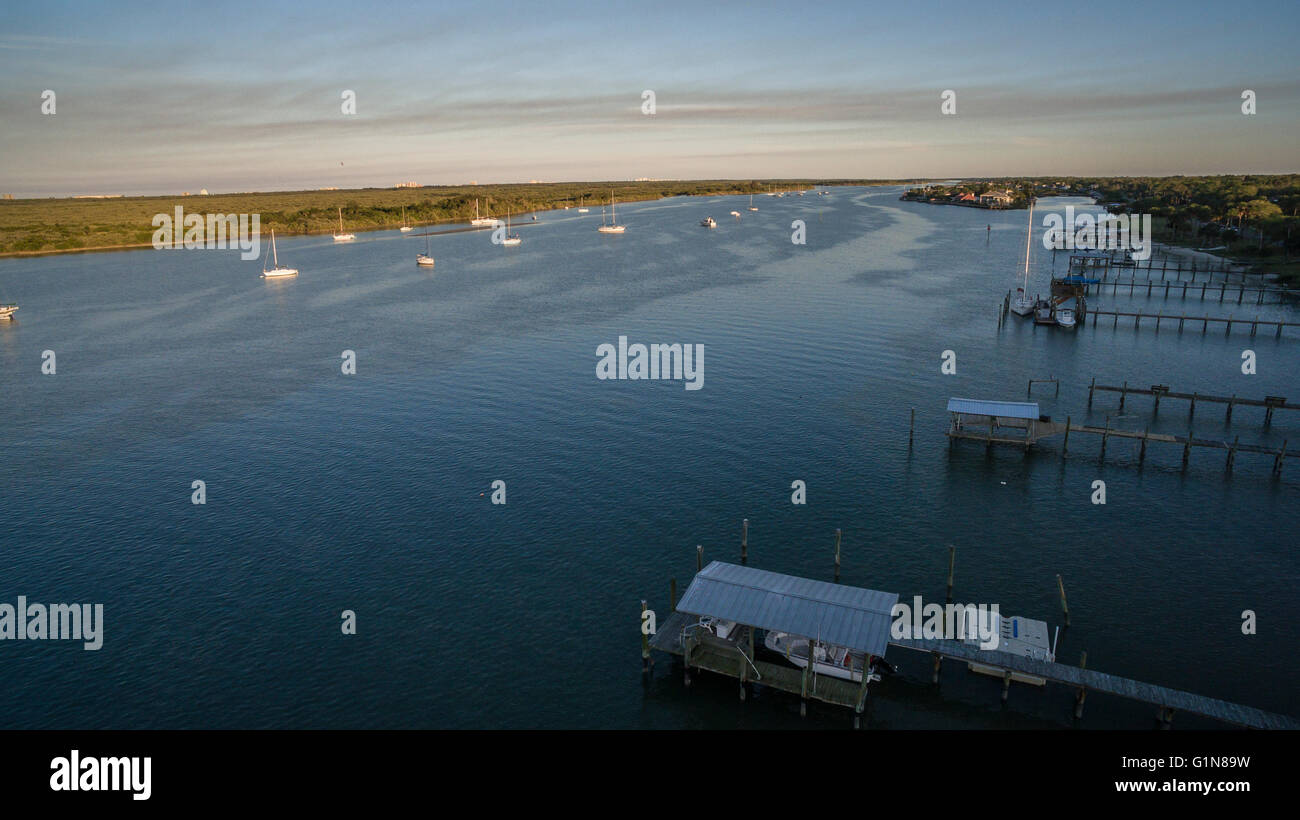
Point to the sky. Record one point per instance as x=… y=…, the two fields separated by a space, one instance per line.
x=164 y=98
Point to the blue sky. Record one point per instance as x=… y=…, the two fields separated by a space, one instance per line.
x=231 y=97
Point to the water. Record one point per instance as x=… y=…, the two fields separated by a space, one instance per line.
x=371 y=492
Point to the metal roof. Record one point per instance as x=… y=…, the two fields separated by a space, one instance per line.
x=833 y=613
x=1005 y=409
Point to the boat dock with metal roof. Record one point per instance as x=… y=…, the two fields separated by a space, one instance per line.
x=861 y=619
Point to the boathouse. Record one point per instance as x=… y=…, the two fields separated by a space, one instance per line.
x=995 y=422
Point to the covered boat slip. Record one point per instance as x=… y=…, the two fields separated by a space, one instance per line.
x=987 y=421
x=856 y=618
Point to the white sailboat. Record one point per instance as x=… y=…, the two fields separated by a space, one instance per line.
x=276 y=271
x=405 y=228
x=581 y=206
x=481 y=221
x=613 y=226
x=341 y=236
x=424 y=260
x=751 y=203
x=1023 y=305
x=709 y=222
x=510 y=240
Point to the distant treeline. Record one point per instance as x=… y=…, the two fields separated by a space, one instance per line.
x=37 y=225
x=1253 y=215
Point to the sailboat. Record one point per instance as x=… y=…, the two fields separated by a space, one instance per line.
x=276 y=271
x=481 y=221
x=340 y=236
x=1022 y=305
x=751 y=203
x=511 y=239
x=405 y=228
x=424 y=260
x=613 y=226
x=581 y=209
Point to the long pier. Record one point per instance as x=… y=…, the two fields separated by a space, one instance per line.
x=1181 y=289
x=1159 y=391
x=1084 y=680
x=1181 y=318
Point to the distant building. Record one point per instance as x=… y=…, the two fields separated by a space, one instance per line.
x=203 y=192
x=966 y=197
x=995 y=198
x=407 y=185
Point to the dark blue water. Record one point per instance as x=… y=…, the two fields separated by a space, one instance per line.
x=370 y=492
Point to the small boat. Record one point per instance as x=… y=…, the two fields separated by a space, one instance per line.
x=613 y=226
x=511 y=239
x=405 y=228
x=751 y=203
x=276 y=271
x=834 y=661
x=340 y=236
x=1065 y=318
x=424 y=260
x=736 y=214
x=708 y=222
x=7 y=311
x=582 y=209
x=481 y=221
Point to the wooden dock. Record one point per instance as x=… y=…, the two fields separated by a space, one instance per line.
x=1083 y=680
x=1171 y=288
x=734 y=657
x=1159 y=391
x=1205 y=321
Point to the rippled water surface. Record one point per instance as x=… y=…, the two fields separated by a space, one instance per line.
x=328 y=492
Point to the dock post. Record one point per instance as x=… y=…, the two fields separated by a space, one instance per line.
x=1104 y=435
x=1065 y=447
x=1277 y=461
x=952 y=560
x=1091 y=387
x=672 y=594
x=1123 y=394
x=911 y=429
x=1006 y=684
x=1254 y=325
x=938 y=660
x=1083 y=691
x=837 y=555
x=1228 y=419
x=699 y=557
x=1142 y=452
x=1065 y=607
x=1192 y=413
x=645 y=644
x=1232 y=453
x=744 y=540
x=803 y=688
x=1187 y=447
x=1155 y=410
x=744 y=665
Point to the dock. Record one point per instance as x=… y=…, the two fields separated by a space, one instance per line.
x=1083 y=680
x=754 y=600
x=1019 y=424
x=1181 y=318
x=1170 y=288
x=1162 y=391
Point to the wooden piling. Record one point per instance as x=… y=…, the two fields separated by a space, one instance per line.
x=699 y=557
x=1006 y=685
x=911 y=428
x=1092 y=385
x=1228 y=419
x=672 y=594
x=744 y=540
x=1142 y=452
x=645 y=643
x=1065 y=607
x=952 y=560
x=1123 y=394
x=1277 y=462
x=1232 y=452
x=1065 y=446
x=1083 y=691
x=837 y=555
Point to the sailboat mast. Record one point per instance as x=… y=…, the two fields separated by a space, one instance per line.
x=274 y=255
x=1028 y=233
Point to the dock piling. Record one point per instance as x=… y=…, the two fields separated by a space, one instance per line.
x=744 y=541
x=837 y=555
x=672 y=594
x=1083 y=690
x=1065 y=607
x=911 y=429
x=645 y=644
x=699 y=557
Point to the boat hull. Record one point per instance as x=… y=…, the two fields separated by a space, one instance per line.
x=279 y=273
x=424 y=261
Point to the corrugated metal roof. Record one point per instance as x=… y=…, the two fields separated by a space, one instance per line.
x=1006 y=409
x=835 y=614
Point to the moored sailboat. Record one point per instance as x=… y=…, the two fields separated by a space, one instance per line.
x=341 y=236
x=613 y=226
x=481 y=221
x=276 y=271
x=1022 y=305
